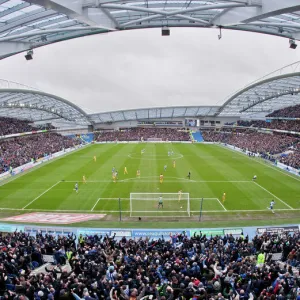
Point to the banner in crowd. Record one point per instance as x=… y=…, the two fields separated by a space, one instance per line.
x=160 y=123
x=22 y=134
x=48 y=258
x=158 y=233
x=278 y=230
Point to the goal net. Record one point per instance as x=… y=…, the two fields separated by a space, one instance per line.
x=159 y=205
x=153 y=139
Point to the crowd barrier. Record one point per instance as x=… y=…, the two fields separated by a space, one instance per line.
x=151 y=233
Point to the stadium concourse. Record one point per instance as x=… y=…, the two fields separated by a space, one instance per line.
x=103 y=267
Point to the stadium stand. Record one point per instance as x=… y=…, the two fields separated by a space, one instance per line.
x=21 y=150
x=253 y=141
x=137 y=134
x=199 y=267
x=289 y=125
x=288 y=112
x=12 y=125
x=292 y=159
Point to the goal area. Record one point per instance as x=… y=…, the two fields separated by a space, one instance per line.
x=159 y=205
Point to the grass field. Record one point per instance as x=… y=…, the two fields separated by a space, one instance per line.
x=214 y=170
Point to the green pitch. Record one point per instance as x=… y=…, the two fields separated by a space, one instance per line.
x=214 y=171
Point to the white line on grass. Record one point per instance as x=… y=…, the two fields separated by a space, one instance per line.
x=273 y=195
x=34 y=168
x=204 y=198
x=277 y=169
x=41 y=194
x=264 y=164
x=95 y=204
x=127 y=211
x=222 y=204
x=149 y=181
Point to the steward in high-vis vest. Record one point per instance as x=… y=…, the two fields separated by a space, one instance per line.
x=81 y=240
x=69 y=255
x=260 y=259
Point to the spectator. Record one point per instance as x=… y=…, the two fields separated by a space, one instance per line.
x=139 y=134
x=288 y=125
x=21 y=150
x=151 y=269
x=288 y=112
x=11 y=125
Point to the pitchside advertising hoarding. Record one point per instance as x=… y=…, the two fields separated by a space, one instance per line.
x=278 y=230
x=143 y=233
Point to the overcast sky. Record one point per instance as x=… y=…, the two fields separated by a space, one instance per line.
x=140 y=68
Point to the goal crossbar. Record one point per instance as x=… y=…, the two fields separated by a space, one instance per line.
x=160 y=204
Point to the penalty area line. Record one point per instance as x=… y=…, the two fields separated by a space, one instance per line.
x=273 y=195
x=221 y=204
x=41 y=194
x=95 y=204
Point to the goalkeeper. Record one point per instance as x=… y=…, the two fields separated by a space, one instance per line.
x=160 y=202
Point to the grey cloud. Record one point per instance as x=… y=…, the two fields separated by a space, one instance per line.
x=140 y=68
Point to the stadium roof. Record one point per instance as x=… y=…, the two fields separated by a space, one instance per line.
x=154 y=113
x=22 y=102
x=29 y=24
x=264 y=97
x=276 y=90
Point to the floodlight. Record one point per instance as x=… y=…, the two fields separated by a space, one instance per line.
x=293 y=44
x=29 y=55
x=165 y=31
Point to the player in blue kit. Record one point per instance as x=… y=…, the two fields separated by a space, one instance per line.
x=76 y=187
x=272 y=206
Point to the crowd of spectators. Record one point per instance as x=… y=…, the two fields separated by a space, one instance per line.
x=253 y=141
x=139 y=134
x=179 y=268
x=292 y=158
x=45 y=126
x=288 y=112
x=289 y=125
x=21 y=150
x=12 y=125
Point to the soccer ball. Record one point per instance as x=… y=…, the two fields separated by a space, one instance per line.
x=180 y=206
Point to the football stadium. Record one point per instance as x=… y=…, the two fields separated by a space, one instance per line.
x=174 y=201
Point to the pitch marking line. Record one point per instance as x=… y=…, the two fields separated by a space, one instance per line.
x=259 y=162
x=41 y=194
x=95 y=204
x=222 y=204
x=273 y=195
x=127 y=211
x=8 y=180
x=165 y=180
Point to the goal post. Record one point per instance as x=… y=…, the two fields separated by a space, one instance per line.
x=159 y=205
